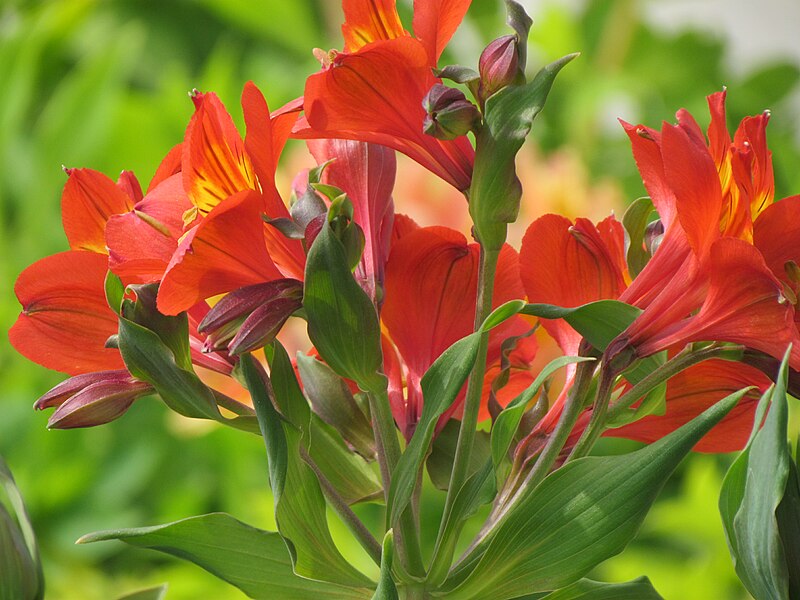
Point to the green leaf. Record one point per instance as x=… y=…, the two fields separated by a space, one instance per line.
x=496 y=191
x=443 y=451
x=386 y=589
x=635 y=221
x=751 y=494
x=333 y=402
x=580 y=515
x=253 y=560
x=507 y=422
x=349 y=473
x=342 y=321
x=21 y=576
x=586 y=589
x=155 y=593
x=300 y=510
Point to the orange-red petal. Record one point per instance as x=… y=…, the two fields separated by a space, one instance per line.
x=570 y=265
x=65 y=320
x=214 y=162
x=367 y=21
x=224 y=252
x=375 y=95
x=694 y=390
x=435 y=22
x=89 y=200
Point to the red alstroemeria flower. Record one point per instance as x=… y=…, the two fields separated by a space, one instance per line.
x=711 y=196
x=431 y=283
x=570 y=265
x=230 y=183
x=373 y=90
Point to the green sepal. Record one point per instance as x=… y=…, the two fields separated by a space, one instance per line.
x=115 y=292
x=342 y=320
x=580 y=515
x=386 y=590
x=333 y=402
x=495 y=192
x=635 y=221
x=253 y=560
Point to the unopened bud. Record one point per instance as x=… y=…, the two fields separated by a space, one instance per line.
x=653 y=234
x=246 y=313
x=771 y=367
x=499 y=65
x=92 y=399
x=449 y=113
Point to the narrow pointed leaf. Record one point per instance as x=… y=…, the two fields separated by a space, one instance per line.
x=586 y=589
x=253 y=560
x=579 y=516
x=300 y=509
x=156 y=593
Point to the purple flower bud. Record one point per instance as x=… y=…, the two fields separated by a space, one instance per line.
x=251 y=316
x=92 y=399
x=449 y=113
x=499 y=65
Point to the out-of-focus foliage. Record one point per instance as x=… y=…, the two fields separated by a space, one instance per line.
x=103 y=84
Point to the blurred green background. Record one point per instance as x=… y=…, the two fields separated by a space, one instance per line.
x=104 y=84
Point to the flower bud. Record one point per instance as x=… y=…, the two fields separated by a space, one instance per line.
x=92 y=399
x=449 y=113
x=499 y=65
x=251 y=316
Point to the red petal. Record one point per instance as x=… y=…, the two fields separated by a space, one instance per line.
x=744 y=305
x=431 y=281
x=214 y=162
x=89 y=200
x=65 y=320
x=693 y=177
x=435 y=22
x=367 y=21
x=718 y=136
x=141 y=242
x=646 y=145
x=694 y=390
x=375 y=95
x=130 y=186
x=570 y=265
x=170 y=165
x=776 y=233
x=366 y=172
x=224 y=252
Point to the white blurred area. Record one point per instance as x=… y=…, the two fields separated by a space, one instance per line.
x=756 y=31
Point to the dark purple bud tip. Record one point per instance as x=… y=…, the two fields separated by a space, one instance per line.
x=263 y=324
x=98 y=403
x=239 y=304
x=449 y=113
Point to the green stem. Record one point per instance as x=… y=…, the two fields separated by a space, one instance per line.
x=598 y=419
x=353 y=523
x=469 y=420
x=388 y=451
x=681 y=361
x=572 y=410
